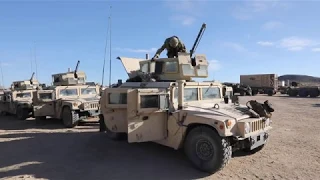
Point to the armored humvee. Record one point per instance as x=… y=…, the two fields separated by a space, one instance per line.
x=69 y=99
x=161 y=103
x=18 y=100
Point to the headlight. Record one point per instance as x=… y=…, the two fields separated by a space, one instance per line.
x=86 y=105
x=75 y=104
x=247 y=128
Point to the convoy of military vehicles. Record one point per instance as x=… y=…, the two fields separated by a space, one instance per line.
x=160 y=102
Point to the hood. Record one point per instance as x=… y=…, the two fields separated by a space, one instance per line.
x=225 y=111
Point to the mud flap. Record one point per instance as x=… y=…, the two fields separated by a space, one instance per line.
x=259 y=140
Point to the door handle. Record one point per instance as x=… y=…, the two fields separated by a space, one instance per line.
x=145 y=118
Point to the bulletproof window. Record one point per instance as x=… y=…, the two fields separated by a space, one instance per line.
x=45 y=96
x=117 y=98
x=81 y=80
x=23 y=95
x=88 y=91
x=211 y=93
x=144 y=67
x=190 y=94
x=188 y=70
x=202 y=71
x=69 y=92
x=154 y=101
x=159 y=67
x=171 y=66
x=149 y=101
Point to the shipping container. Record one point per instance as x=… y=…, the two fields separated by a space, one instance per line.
x=261 y=83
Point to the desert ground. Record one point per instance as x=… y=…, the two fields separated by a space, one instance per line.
x=49 y=151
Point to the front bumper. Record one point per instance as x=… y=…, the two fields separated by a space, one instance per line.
x=258 y=140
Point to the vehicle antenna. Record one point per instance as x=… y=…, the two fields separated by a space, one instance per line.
x=105 y=52
x=2 y=84
x=110 y=51
x=35 y=60
x=31 y=59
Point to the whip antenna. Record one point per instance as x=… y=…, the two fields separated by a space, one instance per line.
x=110 y=50
x=105 y=52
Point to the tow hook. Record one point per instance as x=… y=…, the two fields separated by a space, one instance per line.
x=252 y=141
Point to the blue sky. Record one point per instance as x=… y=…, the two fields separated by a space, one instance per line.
x=242 y=37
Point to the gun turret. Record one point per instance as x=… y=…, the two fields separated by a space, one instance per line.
x=70 y=77
x=24 y=85
x=183 y=67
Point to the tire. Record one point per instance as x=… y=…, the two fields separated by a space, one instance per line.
x=270 y=93
x=254 y=92
x=22 y=114
x=303 y=93
x=314 y=93
x=242 y=93
x=292 y=93
x=206 y=137
x=69 y=118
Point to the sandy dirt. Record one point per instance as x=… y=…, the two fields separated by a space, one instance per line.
x=48 y=151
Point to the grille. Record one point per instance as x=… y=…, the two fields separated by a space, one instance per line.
x=94 y=106
x=257 y=125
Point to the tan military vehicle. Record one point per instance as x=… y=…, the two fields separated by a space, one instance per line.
x=69 y=99
x=18 y=100
x=161 y=103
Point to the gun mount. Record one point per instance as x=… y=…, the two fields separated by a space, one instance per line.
x=69 y=78
x=183 y=67
x=25 y=84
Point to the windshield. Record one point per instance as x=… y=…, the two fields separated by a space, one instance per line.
x=69 y=92
x=46 y=95
x=23 y=95
x=88 y=91
x=190 y=94
x=211 y=93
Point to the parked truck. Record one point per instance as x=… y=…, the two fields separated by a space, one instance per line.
x=297 y=89
x=261 y=83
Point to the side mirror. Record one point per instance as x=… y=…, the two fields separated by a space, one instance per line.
x=226 y=99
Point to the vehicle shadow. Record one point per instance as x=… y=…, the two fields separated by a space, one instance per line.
x=12 y=123
x=315 y=105
x=90 y=155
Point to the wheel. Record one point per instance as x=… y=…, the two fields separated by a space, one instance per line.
x=303 y=93
x=292 y=92
x=207 y=150
x=254 y=92
x=314 y=93
x=270 y=92
x=242 y=93
x=69 y=118
x=22 y=114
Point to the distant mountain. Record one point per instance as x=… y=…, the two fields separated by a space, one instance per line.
x=300 y=78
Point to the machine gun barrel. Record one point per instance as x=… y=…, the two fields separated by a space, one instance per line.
x=203 y=27
x=31 y=82
x=76 y=69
